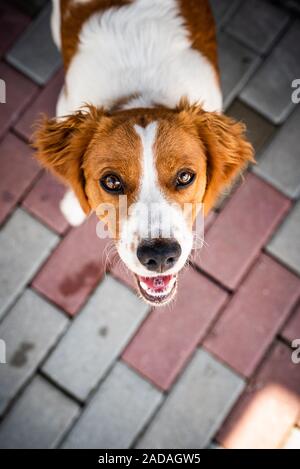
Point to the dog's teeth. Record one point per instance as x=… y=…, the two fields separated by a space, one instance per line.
x=143 y=285
x=158 y=282
x=163 y=291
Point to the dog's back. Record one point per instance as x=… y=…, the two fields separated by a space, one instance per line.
x=136 y=53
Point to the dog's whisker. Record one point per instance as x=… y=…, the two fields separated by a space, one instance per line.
x=108 y=251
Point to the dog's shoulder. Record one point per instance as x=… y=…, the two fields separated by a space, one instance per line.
x=159 y=50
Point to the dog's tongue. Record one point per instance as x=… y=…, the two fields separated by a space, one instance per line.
x=158 y=283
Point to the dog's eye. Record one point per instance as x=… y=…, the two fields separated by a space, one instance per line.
x=112 y=183
x=184 y=178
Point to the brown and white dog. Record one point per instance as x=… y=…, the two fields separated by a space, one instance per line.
x=152 y=128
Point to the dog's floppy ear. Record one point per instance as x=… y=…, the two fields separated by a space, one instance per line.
x=61 y=144
x=227 y=149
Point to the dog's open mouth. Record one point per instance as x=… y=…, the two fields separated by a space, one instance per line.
x=157 y=290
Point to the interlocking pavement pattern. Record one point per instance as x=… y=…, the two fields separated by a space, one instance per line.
x=89 y=364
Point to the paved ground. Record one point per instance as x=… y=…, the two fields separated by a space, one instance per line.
x=88 y=364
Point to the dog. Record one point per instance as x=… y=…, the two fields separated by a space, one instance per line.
x=140 y=116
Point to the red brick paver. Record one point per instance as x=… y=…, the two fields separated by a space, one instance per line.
x=19 y=92
x=256 y=313
x=241 y=229
x=18 y=170
x=43 y=202
x=170 y=334
x=45 y=103
x=74 y=269
x=12 y=23
x=269 y=407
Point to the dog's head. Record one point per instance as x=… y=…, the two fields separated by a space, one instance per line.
x=163 y=161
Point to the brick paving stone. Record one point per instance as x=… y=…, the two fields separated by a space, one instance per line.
x=196 y=406
x=290 y=5
x=257 y=24
x=35 y=53
x=256 y=318
x=271 y=402
x=291 y=330
x=170 y=334
x=12 y=23
x=269 y=91
x=223 y=10
x=18 y=171
x=43 y=202
x=74 y=269
x=24 y=245
x=29 y=330
x=241 y=230
x=123 y=404
x=19 y=92
x=228 y=191
x=258 y=129
x=285 y=245
x=31 y=7
x=39 y=418
x=45 y=103
x=280 y=162
x=293 y=440
x=96 y=338
x=209 y=220
x=237 y=64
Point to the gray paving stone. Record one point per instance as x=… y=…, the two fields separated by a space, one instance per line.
x=223 y=9
x=29 y=330
x=269 y=91
x=196 y=406
x=31 y=7
x=257 y=24
x=24 y=245
x=39 y=419
x=214 y=446
x=96 y=337
x=35 y=53
x=237 y=64
x=285 y=245
x=117 y=413
x=280 y=162
x=258 y=129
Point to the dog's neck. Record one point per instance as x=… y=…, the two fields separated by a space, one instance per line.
x=131 y=101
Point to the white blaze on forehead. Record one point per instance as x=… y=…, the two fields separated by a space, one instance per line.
x=149 y=190
x=154 y=209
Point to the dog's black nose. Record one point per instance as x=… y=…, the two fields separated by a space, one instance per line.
x=158 y=255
